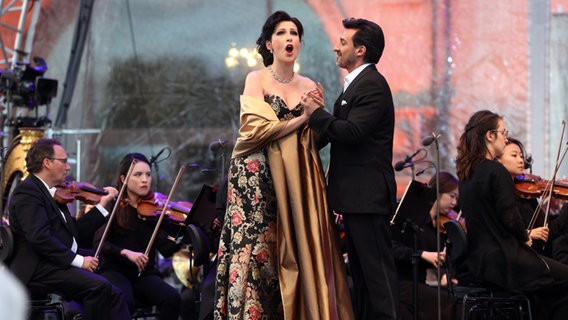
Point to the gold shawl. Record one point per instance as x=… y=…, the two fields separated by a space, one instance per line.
x=312 y=277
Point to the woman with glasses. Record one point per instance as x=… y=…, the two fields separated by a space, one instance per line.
x=499 y=244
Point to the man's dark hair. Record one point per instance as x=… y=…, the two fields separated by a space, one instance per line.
x=40 y=149
x=370 y=35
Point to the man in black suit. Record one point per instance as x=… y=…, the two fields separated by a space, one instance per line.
x=46 y=237
x=361 y=184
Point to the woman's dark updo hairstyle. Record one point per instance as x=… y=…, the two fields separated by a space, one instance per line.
x=526 y=158
x=268 y=30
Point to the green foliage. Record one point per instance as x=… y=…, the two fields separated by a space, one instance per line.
x=172 y=93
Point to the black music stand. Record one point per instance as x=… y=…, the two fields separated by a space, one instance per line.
x=202 y=211
x=410 y=215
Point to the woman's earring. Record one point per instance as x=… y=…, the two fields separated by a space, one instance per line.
x=270 y=51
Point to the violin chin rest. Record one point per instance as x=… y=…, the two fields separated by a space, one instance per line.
x=200 y=243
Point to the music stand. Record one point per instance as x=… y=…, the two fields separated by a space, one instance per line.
x=410 y=214
x=202 y=213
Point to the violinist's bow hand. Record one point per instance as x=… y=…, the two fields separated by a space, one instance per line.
x=90 y=264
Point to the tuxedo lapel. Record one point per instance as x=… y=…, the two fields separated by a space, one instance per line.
x=342 y=105
x=337 y=104
x=68 y=218
x=355 y=81
x=55 y=206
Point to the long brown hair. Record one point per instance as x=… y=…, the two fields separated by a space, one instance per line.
x=472 y=148
x=122 y=218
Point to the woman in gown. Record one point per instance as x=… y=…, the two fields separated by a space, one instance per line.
x=278 y=253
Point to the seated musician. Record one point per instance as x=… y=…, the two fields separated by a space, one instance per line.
x=498 y=241
x=513 y=159
x=123 y=257
x=46 y=237
x=402 y=247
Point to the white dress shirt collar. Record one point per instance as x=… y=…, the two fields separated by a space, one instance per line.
x=353 y=74
x=51 y=190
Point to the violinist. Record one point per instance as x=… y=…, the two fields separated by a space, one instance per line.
x=513 y=160
x=402 y=247
x=123 y=260
x=499 y=251
x=46 y=237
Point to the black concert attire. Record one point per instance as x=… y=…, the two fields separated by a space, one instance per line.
x=362 y=187
x=497 y=236
x=403 y=250
x=149 y=288
x=45 y=237
x=557 y=224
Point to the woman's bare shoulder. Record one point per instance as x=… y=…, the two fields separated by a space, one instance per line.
x=254 y=84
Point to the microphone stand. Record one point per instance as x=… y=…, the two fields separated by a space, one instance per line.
x=426 y=142
x=155 y=163
x=438 y=250
x=222 y=164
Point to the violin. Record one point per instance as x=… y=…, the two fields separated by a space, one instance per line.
x=452 y=215
x=70 y=191
x=150 y=209
x=531 y=186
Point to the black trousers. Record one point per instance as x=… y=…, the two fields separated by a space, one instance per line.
x=551 y=302
x=148 y=289
x=98 y=297
x=372 y=266
x=427 y=301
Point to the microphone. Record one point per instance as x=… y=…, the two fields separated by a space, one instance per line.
x=528 y=161
x=407 y=161
x=421 y=172
x=401 y=165
x=216 y=145
x=153 y=159
x=429 y=139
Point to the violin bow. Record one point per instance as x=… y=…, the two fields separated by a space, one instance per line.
x=163 y=213
x=105 y=233
x=550 y=185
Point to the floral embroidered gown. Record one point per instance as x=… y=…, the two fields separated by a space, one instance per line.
x=247 y=279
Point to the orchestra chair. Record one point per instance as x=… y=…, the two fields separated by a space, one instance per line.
x=42 y=302
x=142 y=312
x=479 y=300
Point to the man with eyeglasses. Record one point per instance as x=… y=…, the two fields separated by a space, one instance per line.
x=47 y=237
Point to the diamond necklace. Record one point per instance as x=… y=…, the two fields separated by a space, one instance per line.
x=277 y=78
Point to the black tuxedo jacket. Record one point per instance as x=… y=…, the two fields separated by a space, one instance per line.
x=41 y=235
x=360 y=130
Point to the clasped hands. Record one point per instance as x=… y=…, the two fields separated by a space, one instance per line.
x=313 y=99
